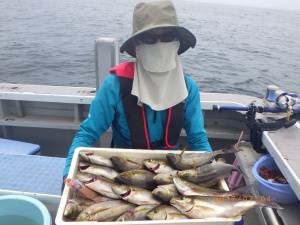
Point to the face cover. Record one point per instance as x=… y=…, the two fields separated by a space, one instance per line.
x=157 y=73
x=158 y=57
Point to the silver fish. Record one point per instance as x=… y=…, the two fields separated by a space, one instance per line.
x=189 y=189
x=84 y=201
x=85 y=177
x=165 y=192
x=98 y=170
x=165 y=212
x=113 y=213
x=104 y=211
x=76 y=185
x=75 y=205
x=163 y=178
x=139 y=178
x=96 y=159
x=87 y=214
x=205 y=173
x=217 y=207
x=122 y=164
x=192 y=160
x=135 y=195
x=158 y=166
x=103 y=186
x=136 y=214
x=72 y=209
x=211 y=183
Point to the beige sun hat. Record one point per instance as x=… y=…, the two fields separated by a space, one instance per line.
x=157 y=14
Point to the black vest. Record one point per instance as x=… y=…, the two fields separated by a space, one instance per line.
x=137 y=121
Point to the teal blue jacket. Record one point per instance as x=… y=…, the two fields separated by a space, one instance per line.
x=107 y=110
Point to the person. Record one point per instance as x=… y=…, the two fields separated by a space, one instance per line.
x=147 y=102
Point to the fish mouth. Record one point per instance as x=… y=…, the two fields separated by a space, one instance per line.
x=83 y=167
x=155 y=167
x=126 y=194
x=90 y=181
x=189 y=210
x=89 y=154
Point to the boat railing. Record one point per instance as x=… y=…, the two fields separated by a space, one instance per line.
x=47 y=111
x=106 y=56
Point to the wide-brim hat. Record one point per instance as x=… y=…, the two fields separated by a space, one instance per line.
x=157 y=14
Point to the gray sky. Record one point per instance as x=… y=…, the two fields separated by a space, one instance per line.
x=274 y=4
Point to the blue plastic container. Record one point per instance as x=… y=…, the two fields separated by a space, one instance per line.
x=281 y=193
x=23 y=210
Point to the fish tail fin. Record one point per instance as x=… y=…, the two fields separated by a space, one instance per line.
x=182 y=151
x=233 y=149
x=239 y=139
x=261 y=201
x=266 y=201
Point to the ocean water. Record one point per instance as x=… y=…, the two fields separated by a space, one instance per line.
x=239 y=49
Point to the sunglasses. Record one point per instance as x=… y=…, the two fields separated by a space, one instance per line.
x=148 y=38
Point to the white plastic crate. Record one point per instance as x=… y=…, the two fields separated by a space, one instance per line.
x=134 y=155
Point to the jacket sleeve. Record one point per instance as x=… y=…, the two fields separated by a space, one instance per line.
x=193 y=119
x=100 y=117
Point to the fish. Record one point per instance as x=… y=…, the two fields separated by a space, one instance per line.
x=189 y=189
x=103 y=186
x=83 y=201
x=85 y=177
x=136 y=214
x=72 y=209
x=98 y=170
x=165 y=192
x=75 y=206
x=84 y=190
x=113 y=213
x=158 y=166
x=218 y=207
x=211 y=183
x=165 y=212
x=96 y=159
x=163 y=178
x=135 y=195
x=139 y=178
x=122 y=164
x=208 y=172
x=191 y=160
x=104 y=211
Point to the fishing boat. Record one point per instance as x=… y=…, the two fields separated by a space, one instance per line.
x=49 y=116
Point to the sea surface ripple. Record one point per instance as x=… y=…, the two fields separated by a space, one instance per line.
x=239 y=49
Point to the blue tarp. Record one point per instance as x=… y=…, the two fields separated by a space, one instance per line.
x=31 y=173
x=17 y=147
